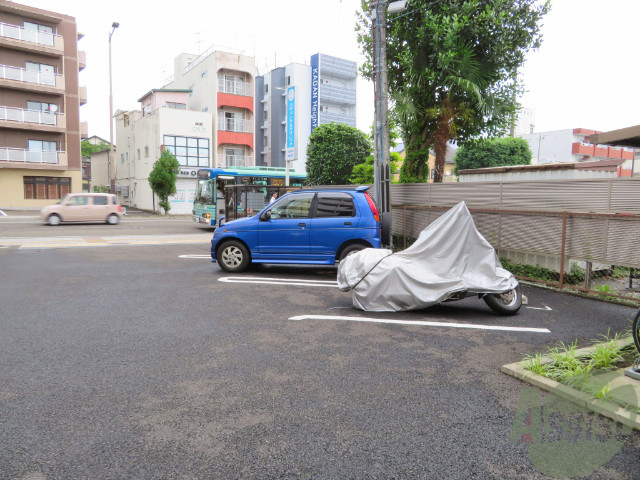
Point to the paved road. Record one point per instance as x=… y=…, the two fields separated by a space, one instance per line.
x=141 y=362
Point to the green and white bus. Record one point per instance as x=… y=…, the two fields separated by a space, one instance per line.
x=209 y=202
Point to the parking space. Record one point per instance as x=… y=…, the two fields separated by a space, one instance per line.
x=176 y=366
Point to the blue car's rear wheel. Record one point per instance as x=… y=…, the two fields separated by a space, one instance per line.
x=233 y=256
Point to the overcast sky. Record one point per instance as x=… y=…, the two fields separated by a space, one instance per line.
x=584 y=75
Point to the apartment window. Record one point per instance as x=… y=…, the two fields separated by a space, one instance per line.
x=126 y=120
x=42 y=146
x=266 y=88
x=231 y=121
x=42 y=106
x=138 y=154
x=288 y=79
x=231 y=84
x=146 y=151
x=177 y=106
x=266 y=115
x=234 y=157
x=46 y=188
x=34 y=32
x=190 y=151
x=40 y=73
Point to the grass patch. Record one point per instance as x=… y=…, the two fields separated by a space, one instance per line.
x=581 y=370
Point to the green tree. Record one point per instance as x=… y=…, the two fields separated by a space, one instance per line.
x=162 y=178
x=492 y=152
x=89 y=149
x=333 y=150
x=363 y=173
x=451 y=68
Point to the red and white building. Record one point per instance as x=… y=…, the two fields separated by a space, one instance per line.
x=572 y=146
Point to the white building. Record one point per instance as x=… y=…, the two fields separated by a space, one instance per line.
x=162 y=123
x=570 y=146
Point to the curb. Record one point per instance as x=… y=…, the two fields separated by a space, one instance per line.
x=582 y=399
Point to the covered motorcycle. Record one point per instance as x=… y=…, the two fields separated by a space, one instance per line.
x=449 y=260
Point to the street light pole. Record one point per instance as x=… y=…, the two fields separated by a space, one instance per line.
x=114 y=25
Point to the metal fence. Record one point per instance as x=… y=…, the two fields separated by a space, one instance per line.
x=578 y=229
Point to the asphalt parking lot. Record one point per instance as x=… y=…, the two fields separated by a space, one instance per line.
x=150 y=362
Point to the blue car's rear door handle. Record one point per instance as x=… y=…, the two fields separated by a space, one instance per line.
x=302 y=224
x=347 y=223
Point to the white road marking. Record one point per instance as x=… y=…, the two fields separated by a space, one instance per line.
x=280 y=281
x=195 y=256
x=546 y=308
x=421 y=323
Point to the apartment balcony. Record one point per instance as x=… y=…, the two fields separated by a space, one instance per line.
x=235 y=138
x=339 y=67
x=234 y=100
x=82 y=60
x=84 y=130
x=235 y=161
x=615 y=152
x=327 y=117
x=26 y=39
x=82 y=95
x=32 y=157
x=627 y=154
x=600 y=151
x=582 y=149
x=336 y=94
x=31 y=120
x=235 y=125
x=47 y=82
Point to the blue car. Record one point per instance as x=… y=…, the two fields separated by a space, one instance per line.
x=310 y=226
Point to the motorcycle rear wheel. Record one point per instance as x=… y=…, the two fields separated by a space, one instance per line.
x=507 y=303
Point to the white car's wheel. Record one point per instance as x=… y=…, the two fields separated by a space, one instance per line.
x=54 y=219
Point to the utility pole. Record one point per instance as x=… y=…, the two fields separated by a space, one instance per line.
x=114 y=25
x=382 y=169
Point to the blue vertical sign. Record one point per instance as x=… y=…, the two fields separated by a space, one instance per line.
x=291 y=122
x=315 y=93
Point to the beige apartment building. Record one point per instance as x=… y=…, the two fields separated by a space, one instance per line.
x=40 y=128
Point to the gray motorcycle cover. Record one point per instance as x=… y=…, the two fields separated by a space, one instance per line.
x=449 y=256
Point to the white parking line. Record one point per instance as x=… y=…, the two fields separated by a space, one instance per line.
x=281 y=281
x=421 y=323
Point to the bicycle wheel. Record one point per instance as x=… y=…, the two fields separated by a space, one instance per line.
x=636 y=330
